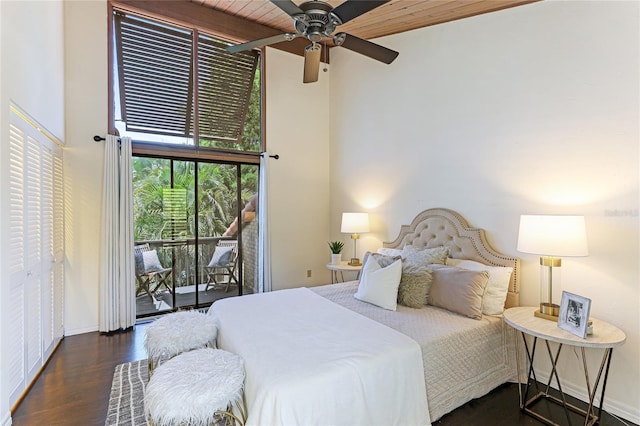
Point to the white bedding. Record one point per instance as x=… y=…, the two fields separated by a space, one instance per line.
x=463 y=358
x=320 y=363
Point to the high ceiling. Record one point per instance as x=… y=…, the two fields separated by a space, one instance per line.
x=393 y=17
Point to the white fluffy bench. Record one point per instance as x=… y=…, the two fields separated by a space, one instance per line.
x=197 y=388
x=176 y=333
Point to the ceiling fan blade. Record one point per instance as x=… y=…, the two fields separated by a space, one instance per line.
x=261 y=42
x=366 y=48
x=288 y=7
x=353 y=8
x=311 y=63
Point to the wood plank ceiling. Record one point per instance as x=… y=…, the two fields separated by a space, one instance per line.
x=393 y=17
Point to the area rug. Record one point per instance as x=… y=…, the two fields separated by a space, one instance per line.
x=126 y=403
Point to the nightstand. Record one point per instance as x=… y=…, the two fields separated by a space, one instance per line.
x=605 y=337
x=341 y=268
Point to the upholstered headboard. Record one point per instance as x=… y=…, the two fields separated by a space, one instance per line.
x=443 y=227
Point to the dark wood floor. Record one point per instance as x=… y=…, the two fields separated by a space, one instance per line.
x=74 y=388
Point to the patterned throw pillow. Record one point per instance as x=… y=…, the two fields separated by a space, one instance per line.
x=423 y=257
x=414 y=286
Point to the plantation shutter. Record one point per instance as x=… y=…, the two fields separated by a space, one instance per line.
x=154 y=70
x=58 y=244
x=33 y=259
x=34 y=220
x=156 y=82
x=224 y=88
x=16 y=263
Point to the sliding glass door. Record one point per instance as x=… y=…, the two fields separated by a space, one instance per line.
x=192 y=248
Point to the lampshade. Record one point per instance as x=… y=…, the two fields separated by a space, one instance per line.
x=550 y=235
x=355 y=223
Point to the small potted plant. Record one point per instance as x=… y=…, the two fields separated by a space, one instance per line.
x=336 y=249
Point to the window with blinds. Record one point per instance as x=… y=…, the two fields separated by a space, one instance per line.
x=177 y=85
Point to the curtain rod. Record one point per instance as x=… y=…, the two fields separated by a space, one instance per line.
x=97 y=138
x=100 y=138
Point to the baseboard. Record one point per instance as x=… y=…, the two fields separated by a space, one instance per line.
x=73 y=331
x=611 y=406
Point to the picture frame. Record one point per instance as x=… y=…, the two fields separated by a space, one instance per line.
x=574 y=314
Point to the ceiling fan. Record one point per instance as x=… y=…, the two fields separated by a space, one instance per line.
x=317 y=20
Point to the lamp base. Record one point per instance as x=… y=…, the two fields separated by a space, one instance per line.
x=550 y=309
x=539 y=314
x=354 y=262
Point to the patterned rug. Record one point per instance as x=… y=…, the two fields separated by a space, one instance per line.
x=126 y=403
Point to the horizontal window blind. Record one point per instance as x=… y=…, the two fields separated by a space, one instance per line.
x=224 y=88
x=157 y=80
x=154 y=69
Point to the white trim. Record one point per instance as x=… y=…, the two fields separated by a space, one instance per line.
x=34 y=123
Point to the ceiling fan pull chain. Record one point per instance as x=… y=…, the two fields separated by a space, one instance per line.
x=326 y=57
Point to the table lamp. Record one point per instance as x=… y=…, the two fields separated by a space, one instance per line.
x=354 y=224
x=551 y=237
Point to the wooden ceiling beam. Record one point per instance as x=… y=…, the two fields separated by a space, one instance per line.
x=210 y=21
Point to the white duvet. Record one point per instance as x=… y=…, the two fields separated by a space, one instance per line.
x=309 y=361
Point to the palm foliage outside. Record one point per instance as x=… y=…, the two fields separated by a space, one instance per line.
x=216 y=196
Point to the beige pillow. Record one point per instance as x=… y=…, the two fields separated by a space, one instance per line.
x=458 y=290
x=497 y=287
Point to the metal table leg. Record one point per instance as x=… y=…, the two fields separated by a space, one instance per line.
x=589 y=415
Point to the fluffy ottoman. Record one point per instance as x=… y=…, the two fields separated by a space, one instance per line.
x=176 y=333
x=197 y=388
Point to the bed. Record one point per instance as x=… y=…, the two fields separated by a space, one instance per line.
x=321 y=356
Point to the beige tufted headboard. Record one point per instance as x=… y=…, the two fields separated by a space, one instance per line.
x=443 y=227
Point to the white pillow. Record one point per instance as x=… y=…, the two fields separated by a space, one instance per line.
x=497 y=288
x=151 y=262
x=390 y=251
x=379 y=286
x=221 y=256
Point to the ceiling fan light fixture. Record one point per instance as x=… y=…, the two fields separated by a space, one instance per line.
x=311 y=63
x=317 y=20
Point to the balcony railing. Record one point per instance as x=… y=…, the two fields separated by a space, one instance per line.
x=186 y=278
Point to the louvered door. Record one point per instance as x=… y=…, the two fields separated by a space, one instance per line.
x=36 y=250
x=17 y=274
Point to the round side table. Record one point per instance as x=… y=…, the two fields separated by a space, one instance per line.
x=605 y=336
x=341 y=268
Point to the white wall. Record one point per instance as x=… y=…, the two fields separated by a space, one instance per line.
x=527 y=110
x=297 y=130
x=32 y=77
x=299 y=179
x=86 y=110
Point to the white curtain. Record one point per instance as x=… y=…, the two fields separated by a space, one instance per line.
x=264 y=242
x=117 y=272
